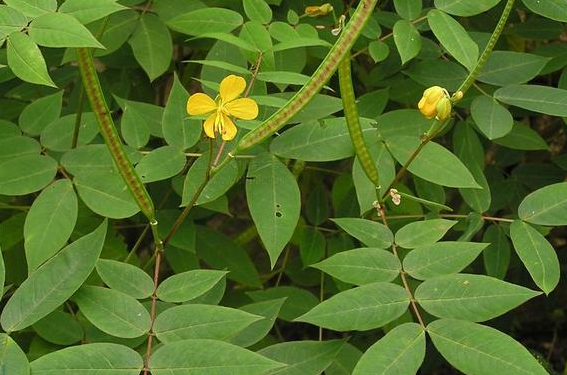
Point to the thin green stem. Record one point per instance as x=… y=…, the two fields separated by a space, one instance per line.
x=181 y=218
x=403 y=276
x=78 y=117
x=465 y=86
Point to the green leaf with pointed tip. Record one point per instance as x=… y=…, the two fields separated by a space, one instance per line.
x=370 y=233
x=178 y=129
x=216 y=187
x=54 y=282
x=465 y=8
x=454 y=38
x=58 y=135
x=318 y=141
x=220 y=252
x=50 y=222
x=434 y=163
x=361 y=266
x=297 y=301
x=15 y=146
x=469 y=149
x=509 y=68
x=537 y=254
x=441 y=258
x=256 y=331
x=497 y=255
x=542 y=99
x=26 y=60
x=522 y=137
x=135 y=133
x=125 y=278
x=89 y=11
x=106 y=194
x=407 y=39
x=61 y=30
x=545 y=206
x=408 y=9
x=33 y=8
x=464 y=346
x=362 y=308
x=26 y=174
x=152 y=45
x=421 y=233
x=160 y=164
x=11 y=20
x=90 y=359
x=40 y=113
x=258 y=10
x=400 y=352
x=303 y=357
x=211 y=357
x=13 y=360
x=113 y=312
x=274 y=202
x=188 y=285
x=206 y=20
x=60 y=328
x=491 y=117
x=475 y=298
x=552 y=9
x=197 y=321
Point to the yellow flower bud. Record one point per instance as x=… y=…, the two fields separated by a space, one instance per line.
x=444 y=109
x=431 y=97
x=318 y=10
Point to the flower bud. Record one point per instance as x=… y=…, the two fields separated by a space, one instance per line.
x=444 y=109
x=318 y=10
x=431 y=97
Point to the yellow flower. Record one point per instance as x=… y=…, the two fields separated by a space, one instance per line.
x=444 y=109
x=226 y=104
x=428 y=105
x=318 y=10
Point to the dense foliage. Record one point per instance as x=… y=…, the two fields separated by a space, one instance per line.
x=355 y=187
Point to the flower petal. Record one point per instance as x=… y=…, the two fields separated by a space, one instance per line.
x=243 y=108
x=209 y=125
x=199 y=104
x=228 y=128
x=231 y=87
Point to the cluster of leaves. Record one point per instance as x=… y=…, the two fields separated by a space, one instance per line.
x=285 y=238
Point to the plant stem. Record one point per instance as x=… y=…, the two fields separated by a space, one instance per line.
x=403 y=276
x=158 y=255
x=451 y=216
x=78 y=117
x=208 y=175
x=465 y=86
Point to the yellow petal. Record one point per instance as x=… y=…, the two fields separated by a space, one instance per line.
x=243 y=108
x=228 y=128
x=231 y=87
x=209 y=125
x=199 y=104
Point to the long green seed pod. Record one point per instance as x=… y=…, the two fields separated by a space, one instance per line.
x=110 y=134
x=353 y=122
x=327 y=67
x=487 y=51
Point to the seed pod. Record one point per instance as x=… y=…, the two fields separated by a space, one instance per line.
x=353 y=121
x=110 y=134
x=327 y=67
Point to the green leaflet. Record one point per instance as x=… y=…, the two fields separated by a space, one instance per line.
x=54 y=282
x=400 y=352
x=90 y=359
x=463 y=344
